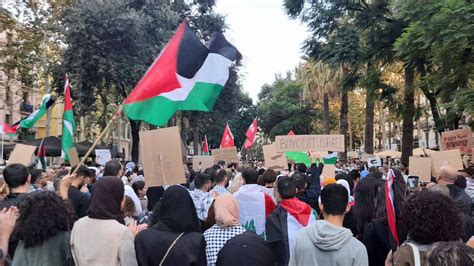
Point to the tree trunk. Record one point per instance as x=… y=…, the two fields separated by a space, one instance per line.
x=327 y=122
x=408 y=115
x=369 y=122
x=344 y=122
x=196 y=141
x=135 y=129
x=431 y=97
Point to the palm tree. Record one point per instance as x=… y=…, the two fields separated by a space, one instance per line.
x=319 y=81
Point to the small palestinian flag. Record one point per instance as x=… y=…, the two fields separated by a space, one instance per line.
x=330 y=158
x=291 y=133
x=205 y=146
x=283 y=225
x=40 y=156
x=10 y=130
x=30 y=121
x=186 y=76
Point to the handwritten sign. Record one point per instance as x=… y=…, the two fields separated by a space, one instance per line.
x=457 y=139
x=274 y=160
x=161 y=154
x=22 y=154
x=309 y=143
x=200 y=163
x=375 y=161
x=102 y=156
x=441 y=158
x=421 y=167
x=228 y=155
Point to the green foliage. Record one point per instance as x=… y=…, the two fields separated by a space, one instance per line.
x=281 y=108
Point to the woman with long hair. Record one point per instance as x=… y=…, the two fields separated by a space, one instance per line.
x=364 y=203
x=43 y=229
x=174 y=236
x=377 y=237
x=101 y=238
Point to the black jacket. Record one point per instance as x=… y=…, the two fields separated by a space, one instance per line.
x=313 y=190
x=246 y=249
x=80 y=201
x=461 y=198
x=152 y=244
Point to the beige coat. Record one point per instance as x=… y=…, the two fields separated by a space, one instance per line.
x=97 y=242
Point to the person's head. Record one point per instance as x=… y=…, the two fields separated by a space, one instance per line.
x=139 y=188
x=82 y=173
x=178 y=219
x=232 y=166
x=301 y=167
x=399 y=197
x=373 y=170
x=269 y=177
x=203 y=182
x=16 y=176
x=107 y=199
x=461 y=182
x=365 y=198
x=334 y=200
x=450 y=253
x=300 y=181
x=431 y=217
x=128 y=208
x=286 y=187
x=113 y=168
x=221 y=178
x=226 y=210
x=447 y=175
x=221 y=164
x=250 y=176
x=348 y=179
x=43 y=215
x=39 y=177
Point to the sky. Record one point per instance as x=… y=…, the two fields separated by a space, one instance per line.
x=269 y=41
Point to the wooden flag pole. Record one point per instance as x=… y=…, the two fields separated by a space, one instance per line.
x=83 y=160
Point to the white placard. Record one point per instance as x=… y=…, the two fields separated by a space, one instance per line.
x=102 y=156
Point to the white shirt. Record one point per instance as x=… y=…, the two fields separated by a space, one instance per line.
x=136 y=201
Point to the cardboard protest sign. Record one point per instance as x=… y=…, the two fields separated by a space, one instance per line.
x=274 y=160
x=102 y=156
x=309 y=143
x=73 y=156
x=160 y=152
x=421 y=167
x=353 y=154
x=457 y=139
x=374 y=161
x=329 y=170
x=200 y=163
x=451 y=157
x=22 y=154
x=366 y=156
x=228 y=155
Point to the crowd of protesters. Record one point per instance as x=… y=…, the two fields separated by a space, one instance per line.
x=234 y=214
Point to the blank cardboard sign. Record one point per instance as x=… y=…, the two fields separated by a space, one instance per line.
x=421 y=167
x=329 y=170
x=160 y=152
x=73 y=157
x=228 y=155
x=274 y=160
x=200 y=163
x=22 y=154
x=441 y=158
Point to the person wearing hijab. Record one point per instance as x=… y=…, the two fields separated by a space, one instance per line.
x=175 y=238
x=100 y=238
x=227 y=226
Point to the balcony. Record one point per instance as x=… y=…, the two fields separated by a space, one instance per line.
x=26 y=108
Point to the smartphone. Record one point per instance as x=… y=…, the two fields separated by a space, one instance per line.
x=412 y=181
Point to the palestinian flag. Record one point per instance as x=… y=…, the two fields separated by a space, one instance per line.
x=69 y=126
x=291 y=133
x=205 y=146
x=30 y=121
x=298 y=157
x=330 y=159
x=40 y=156
x=10 y=130
x=283 y=224
x=186 y=76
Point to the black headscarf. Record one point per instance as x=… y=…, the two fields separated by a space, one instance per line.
x=106 y=200
x=177 y=210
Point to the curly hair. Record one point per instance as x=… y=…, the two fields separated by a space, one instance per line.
x=42 y=216
x=431 y=217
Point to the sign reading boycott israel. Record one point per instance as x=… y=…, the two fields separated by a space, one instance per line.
x=309 y=143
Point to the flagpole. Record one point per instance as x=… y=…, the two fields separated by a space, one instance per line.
x=83 y=160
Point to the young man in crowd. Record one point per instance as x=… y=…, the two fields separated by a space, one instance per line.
x=327 y=242
x=201 y=197
x=307 y=195
x=115 y=168
x=447 y=176
x=254 y=205
x=289 y=216
x=39 y=180
x=79 y=200
x=221 y=179
x=18 y=181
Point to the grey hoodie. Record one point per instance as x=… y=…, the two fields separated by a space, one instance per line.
x=325 y=244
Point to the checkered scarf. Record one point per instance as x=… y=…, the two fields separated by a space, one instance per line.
x=216 y=237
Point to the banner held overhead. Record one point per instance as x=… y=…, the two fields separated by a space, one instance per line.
x=310 y=143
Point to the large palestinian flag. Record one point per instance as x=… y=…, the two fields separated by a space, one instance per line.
x=283 y=224
x=30 y=121
x=186 y=76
